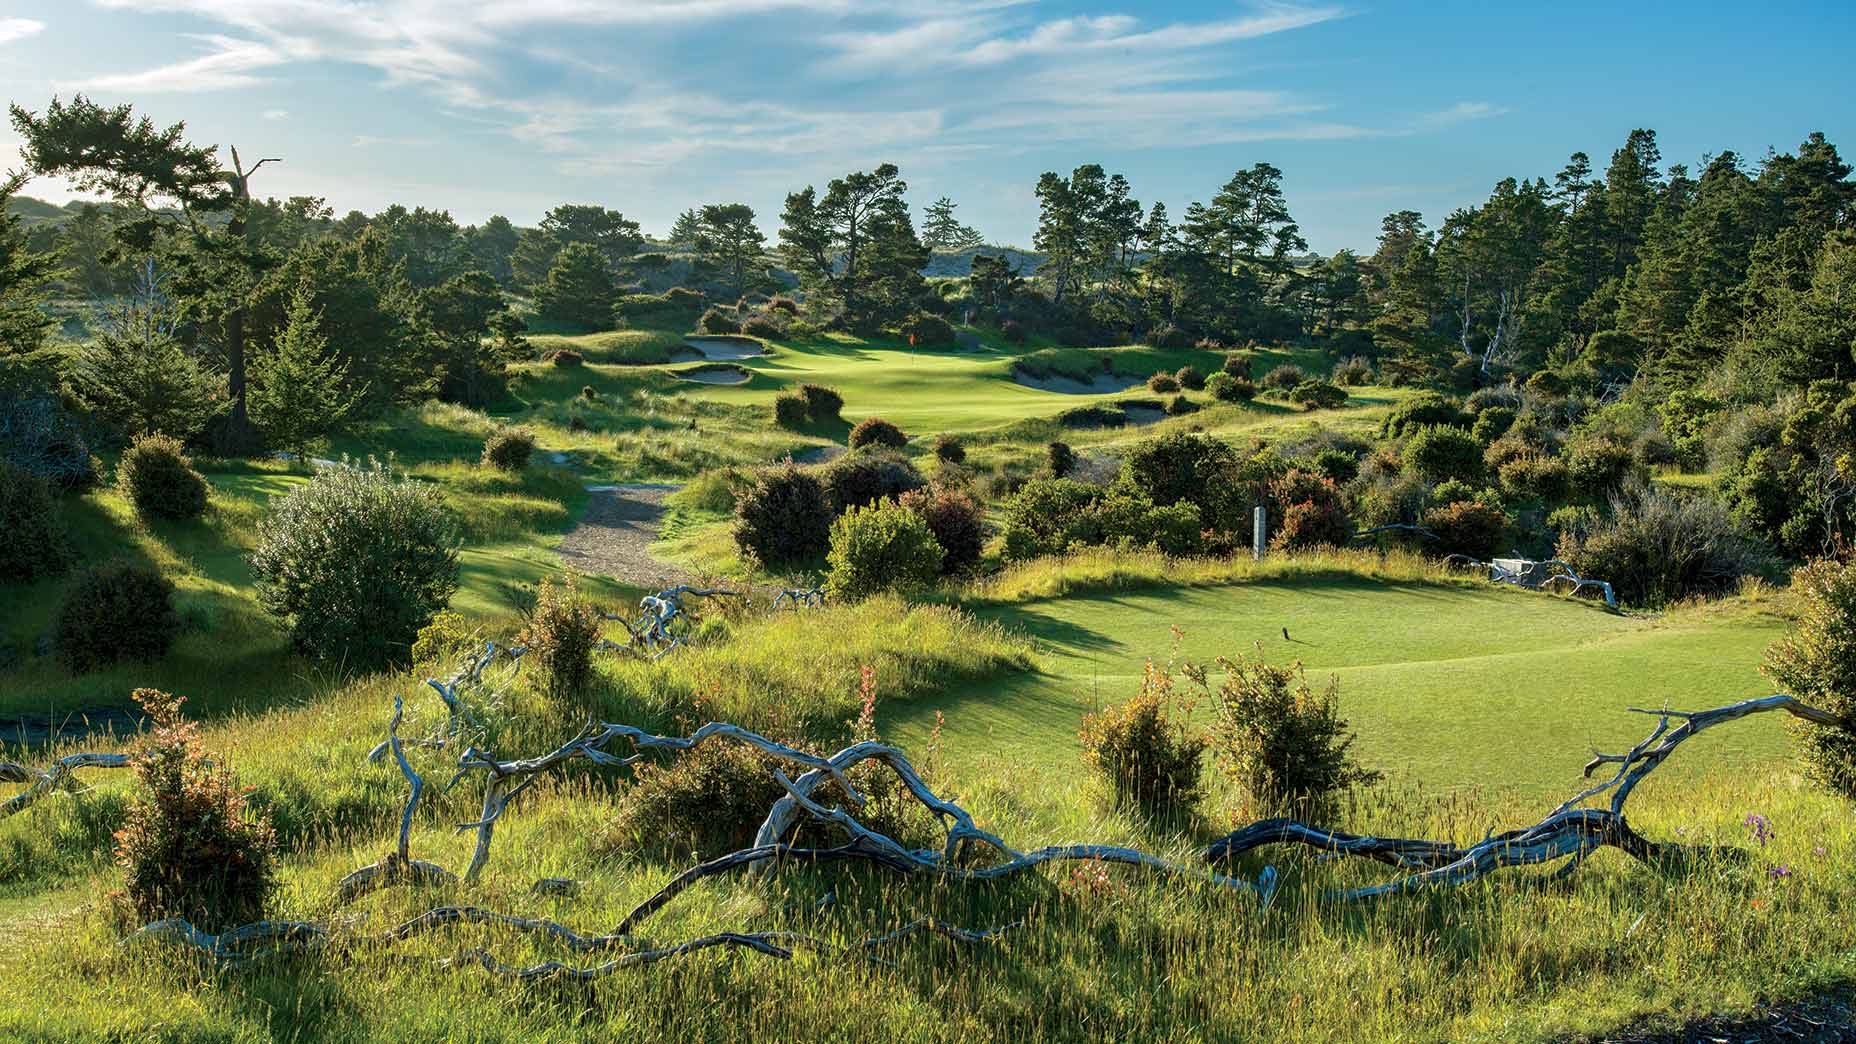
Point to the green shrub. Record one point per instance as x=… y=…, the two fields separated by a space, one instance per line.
x=925 y=330
x=708 y=802
x=1534 y=476
x=1595 y=466
x=589 y=393
x=1236 y=364
x=1166 y=335
x=113 y=613
x=356 y=561
x=1145 y=747
x=1227 y=388
x=560 y=635
x=1284 y=743
x=1284 y=378
x=190 y=845
x=1179 y=406
x=676 y=304
x=1438 y=452
x=1311 y=512
x=1468 y=527
x=567 y=358
x=957 y=522
x=783 y=516
x=884 y=547
x=716 y=321
x=1318 y=395
x=155 y=476
x=861 y=479
x=782 y=303
x=1492 y=423
x=35 y=544
x=1162 y=383
x=789 y=410
x=1548 y=384
x=1013 y=331
x=1426 y=409
x=1059 y=458
x=1816 y=662
x=823 y=404
x=950 y=449
x=764 y=327
x=1180 y=466
x=444 y=639
x=1655 y=547
x=1353 y=372
x=1190 y=378
x=508 y=449
x=875 y=431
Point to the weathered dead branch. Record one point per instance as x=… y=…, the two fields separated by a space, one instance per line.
x=653 y=634
x=42 y=782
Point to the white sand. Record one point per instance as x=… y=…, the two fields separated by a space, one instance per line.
x=719 y=346
x=716 y=375
x=1100 y=384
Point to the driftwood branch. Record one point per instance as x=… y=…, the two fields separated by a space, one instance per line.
x=42 y=782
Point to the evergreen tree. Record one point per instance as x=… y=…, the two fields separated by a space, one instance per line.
x=25 y=278
x=579 y=289
x=299 y=392
x=135 y=375
x=729 y=241
x=941 y=230
x=855 y=248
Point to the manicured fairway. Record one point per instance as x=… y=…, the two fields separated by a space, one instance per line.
x=1446 y=686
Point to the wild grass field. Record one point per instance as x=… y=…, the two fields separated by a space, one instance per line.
x=1479 y=703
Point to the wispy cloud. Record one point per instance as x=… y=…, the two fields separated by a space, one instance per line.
x=369 y=141
x=276 y=114
x=12 y=29
x=229 y=65
x=1461 y=112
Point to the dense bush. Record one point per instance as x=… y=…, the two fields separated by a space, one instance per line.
x=1654 y=547
x=1283 y=378
x=1317 y=395
x=190 y=845
x=763 y=326
x=708 y=802
x=925 y=330
x=823 y=404
x=1492 y=423
x=1438 y=452
x=1596 y=466
x=1284 y=743
x=782 y=303
x=560 y=634
x=716 y=321
x=1310 y=512
x=1179 y=406
x=678 y=304
x=1059 y=458
x=155 y=476
x=1237 y=364
x=1353 y=372
x=35 y=544
x=508 y=449
x=114 y=613
x=1162 y=383
x=447 y=636
x=1534 y=476
x=883 y=547
x=1166 y=335
x=783 y=516
x=1145 y=747
x=1190 y=378
x=861 y=479
x=957 y=522
x=40 y=437
x=1816 y=662
x=1013 y=331
x=789 y=410
x=1472 y=527
x=567 y=358
x=875 y=431
x=357 y=560
x=1227 y=388
x=1181 y=466
x=950 y=449
x=1423 y=410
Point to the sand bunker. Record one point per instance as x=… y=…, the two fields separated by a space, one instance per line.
x=720 y=346
x=1100 y=384
x=715 y=374
x=1141 y=415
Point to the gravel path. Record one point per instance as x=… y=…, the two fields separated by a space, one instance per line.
x=614 y=537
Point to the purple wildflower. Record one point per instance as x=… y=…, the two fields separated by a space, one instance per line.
x=1760 y=826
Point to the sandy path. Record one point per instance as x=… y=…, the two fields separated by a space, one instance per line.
x=614 y=537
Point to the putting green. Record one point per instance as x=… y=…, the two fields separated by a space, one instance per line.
x=1445 y=686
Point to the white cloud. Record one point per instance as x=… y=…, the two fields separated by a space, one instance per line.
x=12 y=29
x=276 y=114
x=1461 y=112
x=230 y=65
x=368 y=141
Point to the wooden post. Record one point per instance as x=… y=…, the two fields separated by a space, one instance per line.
x=1258 y=526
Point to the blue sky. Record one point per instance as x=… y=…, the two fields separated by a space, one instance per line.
x=651 y=106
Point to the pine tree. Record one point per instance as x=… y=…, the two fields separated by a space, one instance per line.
x=941 y=230
x=579 y=288
x=301 y=391
x=25 y=276
x=136 y=376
